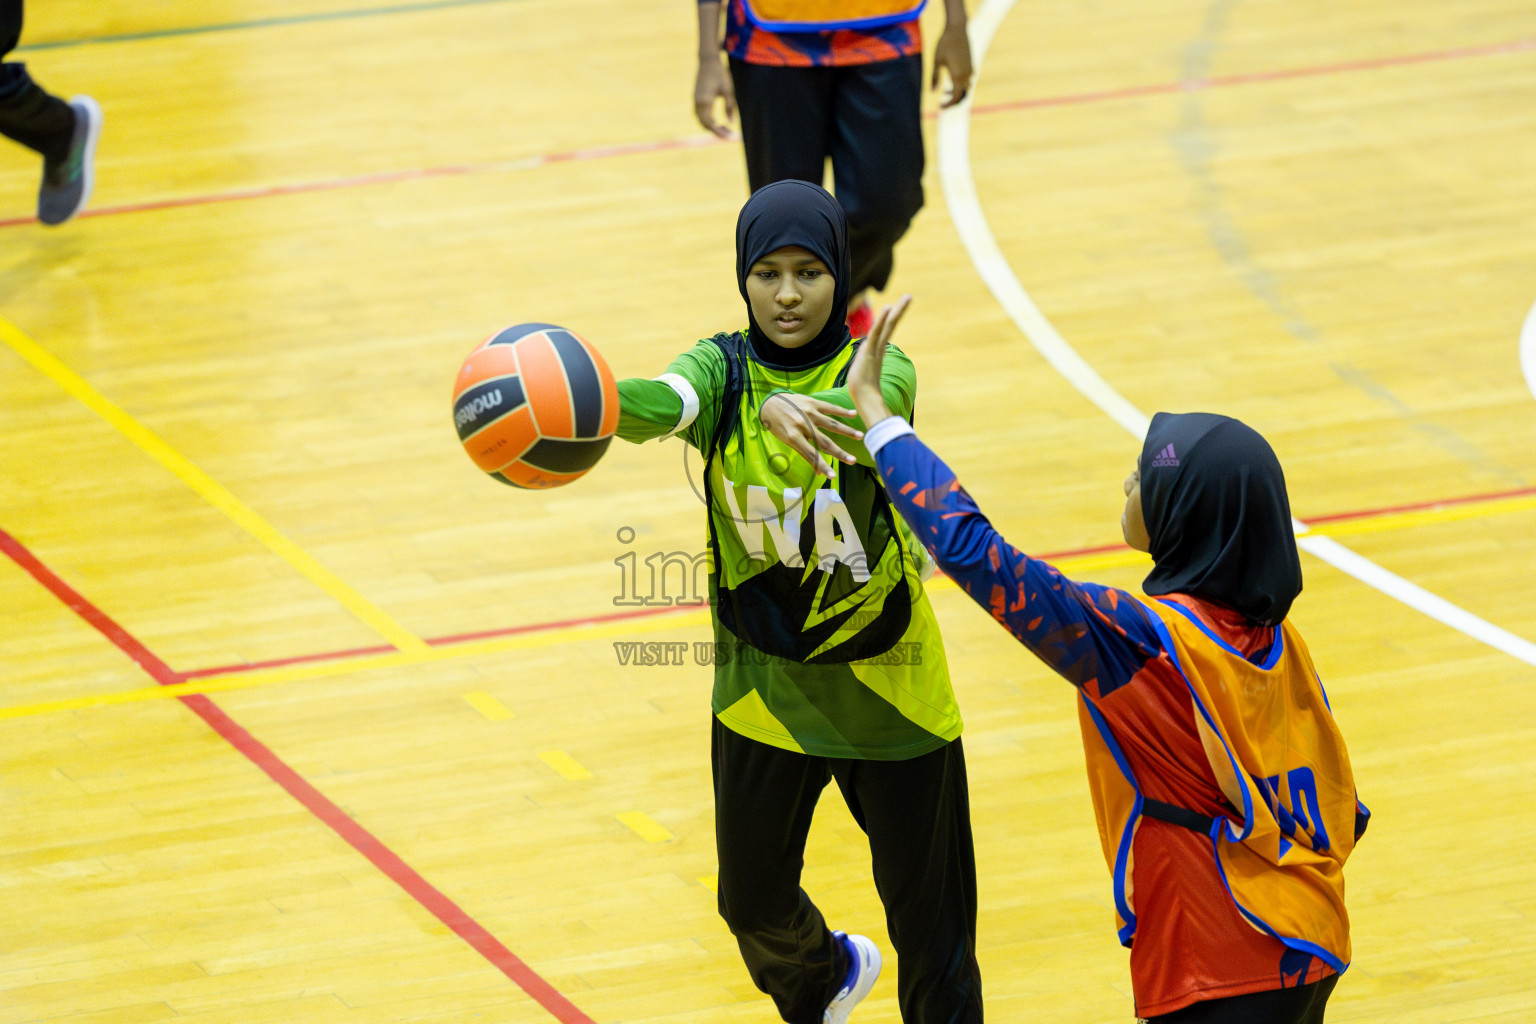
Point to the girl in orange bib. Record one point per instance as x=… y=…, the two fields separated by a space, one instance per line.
x=1221 y=784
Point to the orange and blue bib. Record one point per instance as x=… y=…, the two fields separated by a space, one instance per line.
x=1280 y=760
x=826 y=15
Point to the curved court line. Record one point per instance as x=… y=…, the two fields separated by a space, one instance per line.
x=1528 y=350
x=977 y=238
x=209 y=489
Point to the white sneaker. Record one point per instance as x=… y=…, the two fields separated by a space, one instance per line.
x=864 y=969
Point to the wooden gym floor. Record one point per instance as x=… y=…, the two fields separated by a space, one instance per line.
x=305 y=720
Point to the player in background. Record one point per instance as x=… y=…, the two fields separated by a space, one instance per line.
x=829 y=664
x=838 y=80
x=1223 y=791
x=64 y=134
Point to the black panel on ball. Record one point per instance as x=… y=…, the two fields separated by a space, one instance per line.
x=512 y=335
x=555 y=456
x=586 y=386
x=485 y=403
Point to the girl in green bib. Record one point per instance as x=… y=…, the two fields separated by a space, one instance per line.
x=828 y=660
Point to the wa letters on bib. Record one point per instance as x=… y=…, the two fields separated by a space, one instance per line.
x=807 y=569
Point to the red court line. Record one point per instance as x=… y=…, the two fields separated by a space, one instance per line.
x=650 y=612
x=438 y=904
x=699 y=141
x=1252 y=77
x=356 y=836
x=1422 y=506
x=442 y=641
x=387 y=861
x=386 y=177
x=158 y=670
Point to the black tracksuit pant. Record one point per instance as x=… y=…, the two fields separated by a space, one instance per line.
x=916 y=814
x=1301 y=1005
x=29 y=115
x=866 y=119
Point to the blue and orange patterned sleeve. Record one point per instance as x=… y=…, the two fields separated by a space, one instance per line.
x=1096 y=637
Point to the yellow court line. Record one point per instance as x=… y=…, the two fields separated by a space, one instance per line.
x=209 y=489
x=1104 y=560
x=1070 y=565
x=565 y=764
x=488 y=706
x=644 y=827
x=1424 y=517
x=332 y=669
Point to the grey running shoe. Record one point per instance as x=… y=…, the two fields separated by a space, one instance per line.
x=67 y=182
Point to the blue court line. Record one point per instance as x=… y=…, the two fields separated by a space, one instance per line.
x=236 y=26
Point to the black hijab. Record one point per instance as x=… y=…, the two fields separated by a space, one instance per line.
x=795 y=213
x=1214 y=501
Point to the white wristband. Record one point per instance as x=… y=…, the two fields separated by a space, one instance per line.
x=884 y=432
x=689 y=396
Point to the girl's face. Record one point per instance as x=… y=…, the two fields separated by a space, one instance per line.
x=1132 y=523
x=791 y=293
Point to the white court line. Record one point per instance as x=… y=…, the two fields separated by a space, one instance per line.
x=976 y=235
x=1528 y=350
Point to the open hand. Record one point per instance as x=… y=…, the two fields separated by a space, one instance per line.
x=803 y=423
x=864 y=374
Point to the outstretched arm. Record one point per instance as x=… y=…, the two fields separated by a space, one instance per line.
x=684 y=401
x=1096 y=637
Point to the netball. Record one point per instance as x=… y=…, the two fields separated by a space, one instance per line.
x=535 y=406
